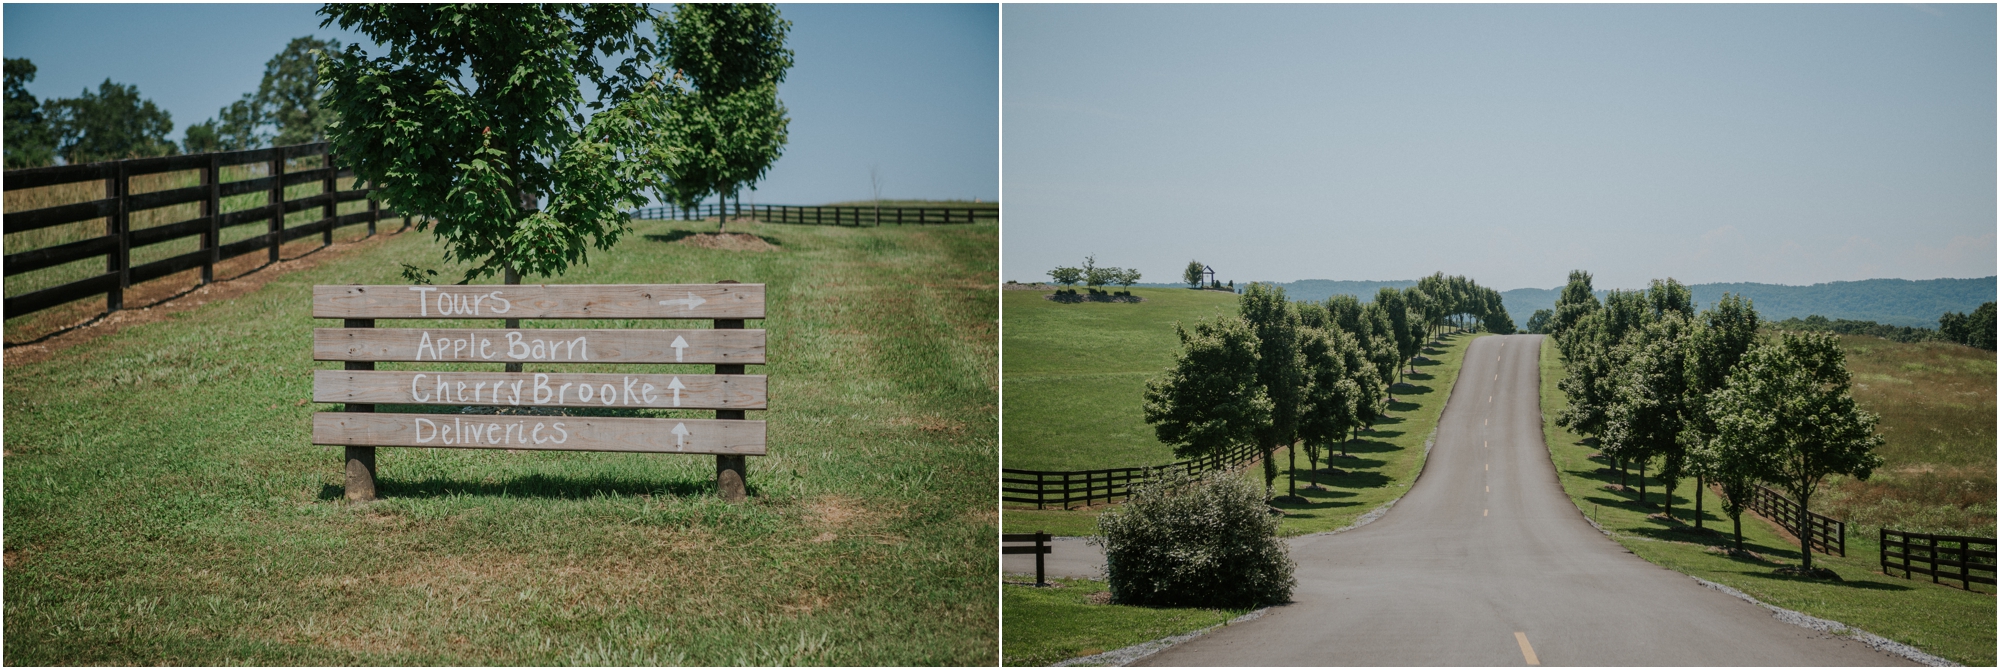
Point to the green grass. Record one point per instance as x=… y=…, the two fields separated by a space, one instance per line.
x=1075 y=378
x=1940 y=620
x=1047 y=625
x=165 y=505
x=1076 y=375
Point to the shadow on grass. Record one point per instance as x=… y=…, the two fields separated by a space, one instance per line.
x=1863 y=585
x=678 y=235
x=532 y=486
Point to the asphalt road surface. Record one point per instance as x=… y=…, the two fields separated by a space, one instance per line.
x=1486 y=562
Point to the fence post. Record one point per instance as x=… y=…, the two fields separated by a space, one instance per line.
x=730 y=469
x=116 y=224
x=360 y=460
x=277 y=201
x=212 y=206
x=332 y=206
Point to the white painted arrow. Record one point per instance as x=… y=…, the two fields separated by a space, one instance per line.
x=691 y=302
x=676 y=386
x=681 y=435
x=680 y=347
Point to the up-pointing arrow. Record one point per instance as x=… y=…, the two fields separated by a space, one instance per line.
x=680 y=347
x=680 y=436
x=691 y=302
x=676 y=386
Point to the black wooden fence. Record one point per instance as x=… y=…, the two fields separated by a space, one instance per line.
x=1936 y=555
x=1040 y=548
x=829 y=215
x=118 y=204
x=1044 y=488
x=1828 y=535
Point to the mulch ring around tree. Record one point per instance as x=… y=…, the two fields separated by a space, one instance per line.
x=727 y=241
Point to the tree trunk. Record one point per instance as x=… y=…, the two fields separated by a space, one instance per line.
x=1292 y=465
x=1642 y=483
x=1700 y=487
x=1270 y=468
x=1622 y=483
x=1805 y=533
x=1738 y=518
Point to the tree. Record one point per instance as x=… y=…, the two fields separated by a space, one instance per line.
x=110 y=124
x=240 y=126
x=734 y=57
x=1539 y=322
x=1065 y=275
x=1787 y=403
x=1648 y=410
x=1276 y=324
x=1720 y=339
x=1498 y=322
x=1094 y=276
x=1397 y=307
x=1126 y=277
x=475 y=114
x=1209 y=399
x=1576 y=301
x=1972 y=330
x=1192 y=274
x=29 y=142
x=1328 y=406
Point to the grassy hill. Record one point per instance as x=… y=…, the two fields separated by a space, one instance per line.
x=165 y=505
x=1075 y=373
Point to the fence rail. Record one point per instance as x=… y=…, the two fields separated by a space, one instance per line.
x=1041 y=548
x=828 y=215
x=1828 y=535
x=1923 y=553
x=1065 y=488
x=119 y=203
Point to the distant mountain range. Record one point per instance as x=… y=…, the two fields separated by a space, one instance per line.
x=1897 y=302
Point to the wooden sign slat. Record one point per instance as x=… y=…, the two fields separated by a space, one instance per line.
x=541 y=301
x=539 y=345
x=536 y=389
x=561 y=433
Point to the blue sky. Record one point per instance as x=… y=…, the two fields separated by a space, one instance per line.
x=912 y=89
x=1786 y=144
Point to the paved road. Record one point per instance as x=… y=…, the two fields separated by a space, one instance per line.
x=1485 y=560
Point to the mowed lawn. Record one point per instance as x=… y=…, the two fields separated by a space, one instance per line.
x=1939 y=620
x=164 y=504
x=1076 y=374
x=1075 y=381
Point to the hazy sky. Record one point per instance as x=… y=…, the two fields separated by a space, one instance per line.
x=911 y=88
x=1787 y=144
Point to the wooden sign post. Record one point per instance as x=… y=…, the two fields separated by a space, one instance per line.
x=360 y=345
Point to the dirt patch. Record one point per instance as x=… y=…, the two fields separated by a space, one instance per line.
x=51 y=332
x=835 y=511
x=1090 y=297
x=1099 y=598
x=728 y=242
x=1037 y=286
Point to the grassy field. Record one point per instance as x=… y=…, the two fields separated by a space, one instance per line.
x=165 y=505
x=1047 y=625
x=1940 y=620
x=1074 y=380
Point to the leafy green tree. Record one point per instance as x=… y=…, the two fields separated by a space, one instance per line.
x=1328 y=402
x=1576 y=301
x=1648 y=411
x=29 y=141
x=1065 y=275
x=240 y=126
x=1408 y=342
x=1720 y=338
x=1276 y=324
x=734 y=56
x=1094 y=276
x=1192 y=274
x=1539 y=322
x=1499 y=322
x=112 y=123
x=475 y=114
x=1787 y=403
x=289 y=93
x=1126 y=277
x=1209 y=399
x=1973 y=330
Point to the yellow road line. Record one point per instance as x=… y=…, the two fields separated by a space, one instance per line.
x=1527 y=652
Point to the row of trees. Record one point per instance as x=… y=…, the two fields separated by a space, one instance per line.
x=1093 y=276
x=1705 y=395
x=1282 y=372
x=1972 y=330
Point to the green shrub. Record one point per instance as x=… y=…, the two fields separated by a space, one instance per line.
x=1187 y=542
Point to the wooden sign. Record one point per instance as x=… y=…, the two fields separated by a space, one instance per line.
x=536 y=389
x=536 y=345
x=541 y=301
x=562 y=433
